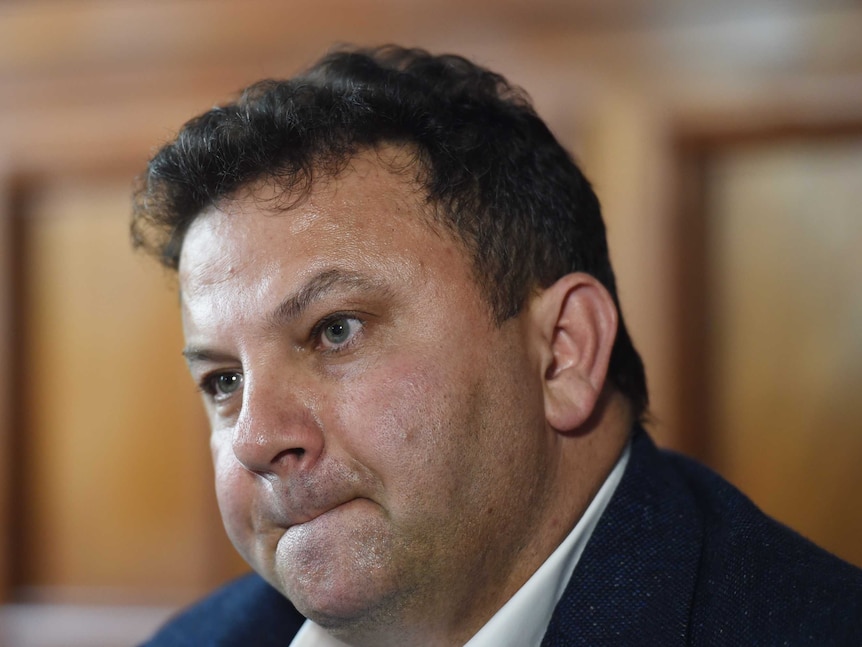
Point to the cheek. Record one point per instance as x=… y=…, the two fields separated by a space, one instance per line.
x=235 y=497
x=384 y=408
x=411 y=423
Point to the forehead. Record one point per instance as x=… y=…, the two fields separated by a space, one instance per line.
x=374 y=213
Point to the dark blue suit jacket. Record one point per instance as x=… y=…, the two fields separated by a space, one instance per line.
x=679 y=557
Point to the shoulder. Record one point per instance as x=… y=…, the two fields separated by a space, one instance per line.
x=758 y=579
x=245 y=612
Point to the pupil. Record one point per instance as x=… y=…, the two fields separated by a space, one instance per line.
x=229 y=383
x=337 y=332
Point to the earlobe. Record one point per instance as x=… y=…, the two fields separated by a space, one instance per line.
x=578 y=322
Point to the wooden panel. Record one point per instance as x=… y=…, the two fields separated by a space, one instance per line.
x=786 y=239
x=6 y=461
x=116 y=465
x=625 y=153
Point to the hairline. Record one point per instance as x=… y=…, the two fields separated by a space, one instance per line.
x=289 y=195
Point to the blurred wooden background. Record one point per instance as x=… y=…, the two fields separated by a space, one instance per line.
x=724 y=139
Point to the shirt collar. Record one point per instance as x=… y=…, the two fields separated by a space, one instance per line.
x=522 y=621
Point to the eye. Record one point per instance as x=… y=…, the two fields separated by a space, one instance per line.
x=222 y=385
x=336 y=333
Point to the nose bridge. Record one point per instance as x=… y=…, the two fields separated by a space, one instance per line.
x=277 y=430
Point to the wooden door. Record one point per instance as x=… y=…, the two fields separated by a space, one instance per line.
x=776 y=252
x=112 y=496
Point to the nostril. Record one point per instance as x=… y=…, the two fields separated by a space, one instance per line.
x=295 y=453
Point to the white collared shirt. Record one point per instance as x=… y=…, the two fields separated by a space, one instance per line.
x=523 y=620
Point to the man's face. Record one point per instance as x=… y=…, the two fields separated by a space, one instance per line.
x=379 y=443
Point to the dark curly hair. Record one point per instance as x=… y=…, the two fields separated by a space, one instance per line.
x=489 y=166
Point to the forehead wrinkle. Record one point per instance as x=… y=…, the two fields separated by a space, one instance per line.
x=207 y=235
x=315 y=288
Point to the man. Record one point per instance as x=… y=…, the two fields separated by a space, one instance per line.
x=399 y=307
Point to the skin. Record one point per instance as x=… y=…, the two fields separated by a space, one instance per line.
x=387 y=456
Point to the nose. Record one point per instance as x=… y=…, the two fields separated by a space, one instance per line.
x=277 y=431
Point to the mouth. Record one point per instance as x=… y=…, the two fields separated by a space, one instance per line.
x=323 y=514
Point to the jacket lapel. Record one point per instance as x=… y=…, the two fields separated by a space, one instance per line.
x=635 y=581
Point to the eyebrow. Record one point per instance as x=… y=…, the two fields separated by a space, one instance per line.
x=195 y=354
x=295 y=304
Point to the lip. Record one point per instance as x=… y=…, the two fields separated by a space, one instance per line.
x=308 y=518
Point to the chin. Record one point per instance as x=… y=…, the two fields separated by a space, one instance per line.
x=344 y=607
x=338 y=582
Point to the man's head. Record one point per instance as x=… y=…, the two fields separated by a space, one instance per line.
x=398 y=305
x=488 y=167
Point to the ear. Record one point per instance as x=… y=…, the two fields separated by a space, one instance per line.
x=577 y=323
